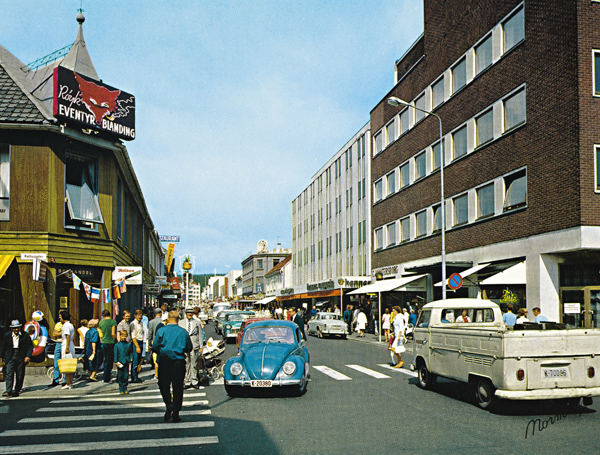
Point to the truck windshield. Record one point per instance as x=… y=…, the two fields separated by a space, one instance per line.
x=424 y=318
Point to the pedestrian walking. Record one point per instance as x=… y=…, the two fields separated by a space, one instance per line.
x=348 y=318
x=16 y=351
x=123 y=354
x=194 y=329
x=153 y=326
x=298 y=320
x=137 y=338
x=172 y=343
x=92 y=349
x=57 y=338
x=81 y=331
x=539 y=317
x=398 y=344
x=385 y=324
x=68 y=344
x=124 y=325
x=108 y=327
x=361 y=323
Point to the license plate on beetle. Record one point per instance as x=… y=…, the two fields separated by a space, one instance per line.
x=262 y=383
x=551 y=373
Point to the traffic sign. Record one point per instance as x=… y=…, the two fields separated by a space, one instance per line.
x=455 y=281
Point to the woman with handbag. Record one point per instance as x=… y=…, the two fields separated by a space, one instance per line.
x=399 y=328
x=68 y=348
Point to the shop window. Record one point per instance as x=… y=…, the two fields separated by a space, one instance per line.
x=485 y=201
x=514 y=30
x=516 y=190
x=4 y=182
x=82 y=210
x=483 y=54
x=461 y=210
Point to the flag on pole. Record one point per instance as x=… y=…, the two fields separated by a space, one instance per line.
x=76 y=282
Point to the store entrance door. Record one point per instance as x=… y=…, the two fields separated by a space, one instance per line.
x=580 y=307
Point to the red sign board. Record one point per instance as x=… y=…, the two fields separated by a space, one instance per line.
x=455 y=281
x=93 y=105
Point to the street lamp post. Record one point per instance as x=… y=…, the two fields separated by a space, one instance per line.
x=393 y=101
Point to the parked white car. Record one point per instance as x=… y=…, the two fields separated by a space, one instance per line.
x=327 y=324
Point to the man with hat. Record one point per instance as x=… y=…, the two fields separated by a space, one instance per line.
x=16 y=352
x=194 y=329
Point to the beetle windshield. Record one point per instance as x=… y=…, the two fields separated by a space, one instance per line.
x=268 y=334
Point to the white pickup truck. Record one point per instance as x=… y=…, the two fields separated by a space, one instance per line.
x=529 y=362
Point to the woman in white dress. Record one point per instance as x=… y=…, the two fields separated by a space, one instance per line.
x=67 y=345
x=385 y=324
x=399 y=328
x=361 y=323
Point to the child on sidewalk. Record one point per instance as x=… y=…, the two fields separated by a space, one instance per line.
x=123 y=356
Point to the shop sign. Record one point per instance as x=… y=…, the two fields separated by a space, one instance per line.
x=392 y=270
x=4 y=209
x=320 y=286
x=168 y=238
x=354 y=283
x=169 y=296
x=572 y=308
x=133 y=274
x=169 y=259
x=32 y=256
x=286 y=291
x=160 y=279
x=87 y=103
x=80 y=271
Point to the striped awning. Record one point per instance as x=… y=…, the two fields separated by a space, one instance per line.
x=5 y=262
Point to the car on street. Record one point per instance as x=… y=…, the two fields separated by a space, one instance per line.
x=220 y=307
x=218 y=320
x=272 y=354
x=245 y=324
x=327 y=324
x=232 y=322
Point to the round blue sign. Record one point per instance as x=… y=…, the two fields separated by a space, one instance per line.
x=455 y=281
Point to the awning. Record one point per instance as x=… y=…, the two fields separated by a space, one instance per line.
x=265 y=301
x=465 y=273
x=512 y=275
x=386 y=285
x=5 y=262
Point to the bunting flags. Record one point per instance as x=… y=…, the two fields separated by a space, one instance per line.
x=95 y=295
x=116 y=292
x=106 y=295
x=115 y=308
x=88 y=290
x=122 y=285
x=76 y=281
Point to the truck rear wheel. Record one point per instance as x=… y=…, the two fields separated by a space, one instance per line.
x=426 y=379
x=484 y=393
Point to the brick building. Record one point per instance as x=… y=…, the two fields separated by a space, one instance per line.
x=516 y=85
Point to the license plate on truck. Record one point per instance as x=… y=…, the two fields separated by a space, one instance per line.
x=550 y=373
x=262 y=383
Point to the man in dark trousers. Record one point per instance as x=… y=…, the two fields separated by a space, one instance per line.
x=171 y=344
x=16 y=351
x=298 y=320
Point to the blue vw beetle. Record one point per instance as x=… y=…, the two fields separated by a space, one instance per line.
x=272 y=354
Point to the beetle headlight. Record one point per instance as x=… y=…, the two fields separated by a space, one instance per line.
x=289 y=368
x=235 y=368
x=228 y=326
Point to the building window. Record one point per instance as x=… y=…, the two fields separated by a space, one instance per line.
x=485 y=127
x=4 y=182
x=364 y=231
x=459 y=75
x=378 y=190
x=359 y=232
x=515 y=186
x=437 y=156
x=378 y=238
x=404 y=175
x=391 y=132
x=421 y=223
x=405 y=229
x=597 y=156
x=378 y=142
x=359 y=190
x=420 y=166
x=437 y=93
x=391 y=234
x=459 y=142
x=404 y=119
x=483 y=54
x=461 y=209
x=437 y=219
x=82 y=208
x=126 y=218
x=514 y=110
x=391 y=183
x=351 y=237
x=514 y=30
x=364 y=188
x=485 y=201
x=420 y=104
x=597 y=73
x=120 y=208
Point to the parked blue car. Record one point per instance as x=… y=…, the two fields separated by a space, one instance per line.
x=272 y=354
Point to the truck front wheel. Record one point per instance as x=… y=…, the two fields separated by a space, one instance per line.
x=426 y=379
x=484 y=393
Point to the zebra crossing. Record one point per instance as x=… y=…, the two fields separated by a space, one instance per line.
x=111 y=422
x=339 y=376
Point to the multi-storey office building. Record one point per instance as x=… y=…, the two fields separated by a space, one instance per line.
x=517 y=87
x=331 y=226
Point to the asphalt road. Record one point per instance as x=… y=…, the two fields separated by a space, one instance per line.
x=355 y=404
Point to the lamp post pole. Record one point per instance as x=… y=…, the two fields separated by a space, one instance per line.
x=393 y=101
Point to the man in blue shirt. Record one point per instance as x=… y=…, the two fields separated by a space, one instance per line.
x=171 y=344
x=538 y=316
x=509 y=317
x=412 y=318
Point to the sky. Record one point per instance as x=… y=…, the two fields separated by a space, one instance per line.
x=238 y=103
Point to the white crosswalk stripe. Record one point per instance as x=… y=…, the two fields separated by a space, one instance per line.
x=369 y=372
x=124 y=414
x=332 y=373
